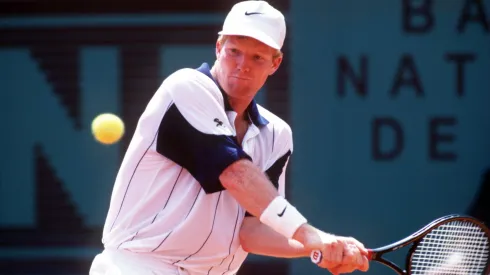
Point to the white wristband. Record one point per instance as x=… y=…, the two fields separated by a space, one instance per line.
x=281 y=216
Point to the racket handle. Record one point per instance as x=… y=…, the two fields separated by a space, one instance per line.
x=316 y=256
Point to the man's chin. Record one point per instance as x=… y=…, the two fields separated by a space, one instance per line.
x=241 y=95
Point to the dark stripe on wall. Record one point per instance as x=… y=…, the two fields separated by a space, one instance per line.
x=79 y=266
x=37 y=237
x=109 y=35
x=73 y=7
x=274 y=266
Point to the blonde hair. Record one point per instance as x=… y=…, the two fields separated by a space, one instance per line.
x=222 y=39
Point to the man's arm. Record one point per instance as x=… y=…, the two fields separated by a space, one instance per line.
x=254 y=192
x=259 y=239
x=249 y=186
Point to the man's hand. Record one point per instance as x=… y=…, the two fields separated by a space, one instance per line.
x=309 y=237
x=342 y=254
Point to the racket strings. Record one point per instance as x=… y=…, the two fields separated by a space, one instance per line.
x=455 y=248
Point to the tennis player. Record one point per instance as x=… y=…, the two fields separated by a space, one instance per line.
x=202 y=182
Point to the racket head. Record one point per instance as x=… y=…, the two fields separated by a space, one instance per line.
x=452 y=245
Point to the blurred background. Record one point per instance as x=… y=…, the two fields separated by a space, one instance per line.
x=388 y=101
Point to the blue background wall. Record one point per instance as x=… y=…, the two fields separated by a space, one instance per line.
x=387 y=135
x=336 y=177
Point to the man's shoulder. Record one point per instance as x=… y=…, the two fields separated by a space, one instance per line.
x=190 y=83
x=187 y=75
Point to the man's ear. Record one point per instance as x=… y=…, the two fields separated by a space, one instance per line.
x=276 y=62
x=218 y=49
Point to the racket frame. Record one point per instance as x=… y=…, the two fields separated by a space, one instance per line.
x=376 y=254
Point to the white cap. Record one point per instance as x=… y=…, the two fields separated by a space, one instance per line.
x=256 y=19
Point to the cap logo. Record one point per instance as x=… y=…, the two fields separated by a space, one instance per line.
x=251 y=13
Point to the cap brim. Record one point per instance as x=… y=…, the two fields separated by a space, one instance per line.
x=259 y=35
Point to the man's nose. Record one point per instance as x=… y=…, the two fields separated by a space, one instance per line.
x=243 y=64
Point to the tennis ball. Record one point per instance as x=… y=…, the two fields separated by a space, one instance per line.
x=107 y=128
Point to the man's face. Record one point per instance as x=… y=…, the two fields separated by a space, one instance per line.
x=244 y=65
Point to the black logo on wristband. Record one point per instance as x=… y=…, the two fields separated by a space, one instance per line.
x=282 y=213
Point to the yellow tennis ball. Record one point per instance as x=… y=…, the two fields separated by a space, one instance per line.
x=107 y=128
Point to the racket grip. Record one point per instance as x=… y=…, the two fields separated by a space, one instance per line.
x=316 y=256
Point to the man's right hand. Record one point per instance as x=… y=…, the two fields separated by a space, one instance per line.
x=354 y=256
x=339 y=254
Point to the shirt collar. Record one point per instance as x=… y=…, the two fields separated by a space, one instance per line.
x=252 y=109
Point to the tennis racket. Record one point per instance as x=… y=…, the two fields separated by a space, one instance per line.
x=450 y=245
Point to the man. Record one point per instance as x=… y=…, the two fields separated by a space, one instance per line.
x=202 y=182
